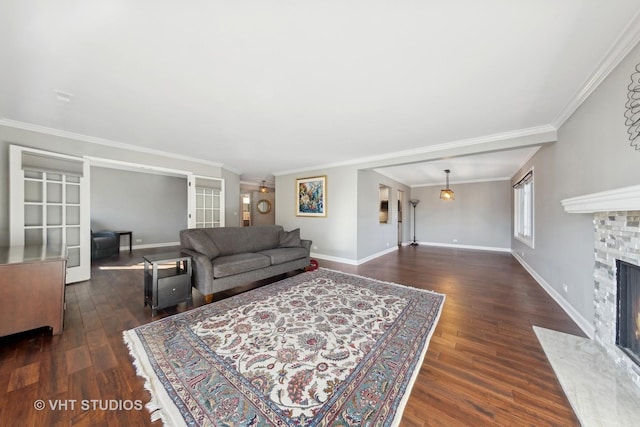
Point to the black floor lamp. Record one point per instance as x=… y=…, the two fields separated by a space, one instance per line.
x=414 y=203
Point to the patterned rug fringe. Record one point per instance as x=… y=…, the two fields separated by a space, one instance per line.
x=157 y=410
x=414 y=376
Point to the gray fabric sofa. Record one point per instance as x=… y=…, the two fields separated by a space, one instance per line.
x=227 y=257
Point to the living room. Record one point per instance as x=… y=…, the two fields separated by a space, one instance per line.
x=585 y=147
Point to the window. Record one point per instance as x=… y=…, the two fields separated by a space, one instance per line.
x=523 y=209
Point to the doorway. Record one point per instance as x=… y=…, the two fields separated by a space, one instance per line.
x=246 y=209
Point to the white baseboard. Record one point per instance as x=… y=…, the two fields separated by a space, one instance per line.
x=586 y=326
x=150 y=245
x=354 y=261
x=378 y=254
x=334 y=258
x=395 y=248
x=457 y=246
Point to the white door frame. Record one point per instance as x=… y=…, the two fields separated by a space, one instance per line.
x=192 y=198
x=17 y=208
x=190 y=176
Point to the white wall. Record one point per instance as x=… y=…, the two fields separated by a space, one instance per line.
x=592 y=154
x=480 y=215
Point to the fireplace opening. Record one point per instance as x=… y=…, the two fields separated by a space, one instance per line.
x=628 y=320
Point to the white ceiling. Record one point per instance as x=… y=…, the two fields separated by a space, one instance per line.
x=501 y=165
x=265 y=87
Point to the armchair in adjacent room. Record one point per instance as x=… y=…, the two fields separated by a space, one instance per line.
x=104 y=244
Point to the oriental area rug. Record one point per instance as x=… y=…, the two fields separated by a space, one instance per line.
x=322 y=348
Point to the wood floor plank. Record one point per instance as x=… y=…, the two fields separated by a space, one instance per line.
x=77 y=359
x=484 y=365
x=24 y=376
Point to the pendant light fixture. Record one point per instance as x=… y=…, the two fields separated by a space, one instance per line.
x=263 y=188
x=447 y=193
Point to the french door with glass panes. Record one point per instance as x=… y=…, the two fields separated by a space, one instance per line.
x=50 y=205
x=208 y=202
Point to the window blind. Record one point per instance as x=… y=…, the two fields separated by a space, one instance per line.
x=43 y=163
x=524 y=180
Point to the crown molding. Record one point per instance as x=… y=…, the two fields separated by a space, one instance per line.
x=617 y=200
x=627 y=40
x=106 y=142
x=541 y=134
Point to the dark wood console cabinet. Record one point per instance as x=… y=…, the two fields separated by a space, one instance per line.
x=32 y=280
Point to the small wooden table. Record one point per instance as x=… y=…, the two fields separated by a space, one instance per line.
x=164 y=287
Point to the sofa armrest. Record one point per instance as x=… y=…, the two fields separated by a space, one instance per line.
x=105 y=233
x=202 y=270
x=307 y=245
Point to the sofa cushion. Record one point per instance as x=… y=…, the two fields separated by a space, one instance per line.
x=282 y=255
x=290 y=239
x=238 y=240
x=239 y=263
x=201 y=242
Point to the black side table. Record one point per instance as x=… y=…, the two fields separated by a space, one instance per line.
x=125 y=233
x=167 y=285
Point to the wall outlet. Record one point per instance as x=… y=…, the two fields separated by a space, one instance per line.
x=138 y=240
x=315 y=247
x=565 y=288
x=455 y=240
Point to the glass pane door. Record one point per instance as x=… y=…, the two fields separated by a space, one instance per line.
x=208 y=207
x=51 y=212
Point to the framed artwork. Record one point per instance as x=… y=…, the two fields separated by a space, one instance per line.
x=311 y=196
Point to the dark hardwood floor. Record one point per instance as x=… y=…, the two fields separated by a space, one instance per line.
x=484 y=365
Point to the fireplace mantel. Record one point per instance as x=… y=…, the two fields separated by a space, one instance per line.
x=618 y=200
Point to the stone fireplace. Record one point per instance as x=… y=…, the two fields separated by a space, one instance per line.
x=616 y=247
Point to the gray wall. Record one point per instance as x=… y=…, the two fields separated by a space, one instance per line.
x=10 y=135
x=592 y=154
x=258 y=218
x=479 y=216
x=232 y=207
x=153 y=207
x=374 y=237
x=351 y=231
x=334 y=236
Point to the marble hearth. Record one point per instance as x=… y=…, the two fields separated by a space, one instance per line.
x=616 y=237
x=600 y=380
